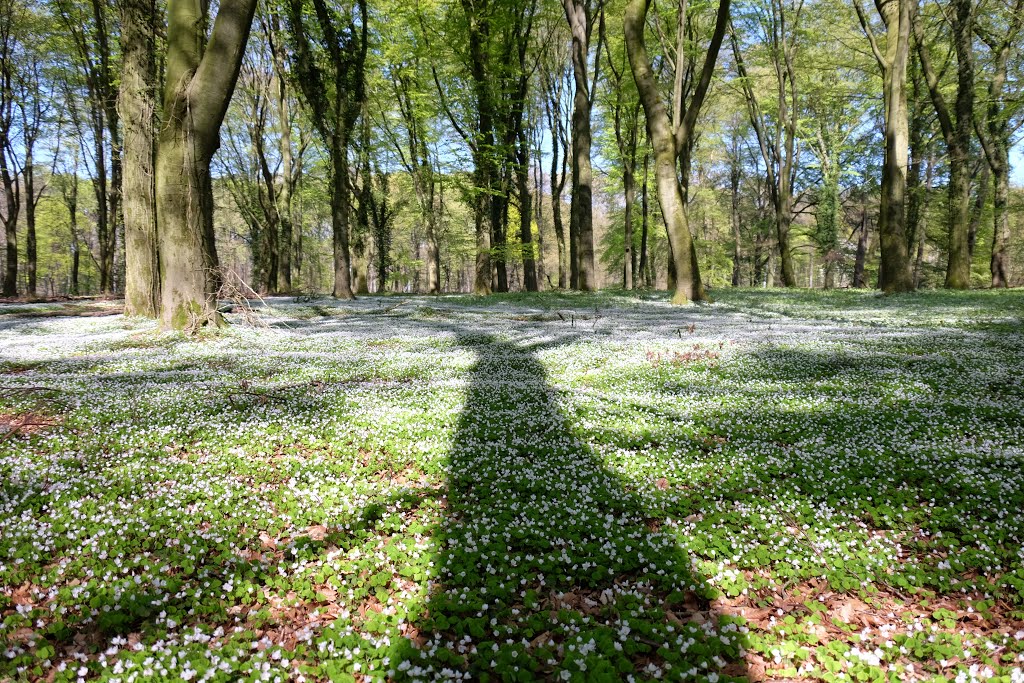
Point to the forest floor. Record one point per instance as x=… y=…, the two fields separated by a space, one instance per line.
x=777 y=486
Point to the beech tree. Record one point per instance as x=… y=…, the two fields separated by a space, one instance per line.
x=957 y=126
x=329 y=46
x=897 y=15
x=581 y=15
x=667 y=139
x=9 y=172
x=1001 y=34
x=779 y=24
x=137 y=109
x=199 y=82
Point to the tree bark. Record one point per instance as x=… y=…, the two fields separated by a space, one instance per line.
x=199 y=83
x=981 y=194
x=778 y=149
x=526 y=213
x=644 y=265
x=288 y=173
x=921 y=231
x=735 y=173
x=994 y=135
x=581 y=217
x=666 y=142
x=8 y=172
x=137 y=111
x=859 y=279
x=957 y=131
x=894 y=274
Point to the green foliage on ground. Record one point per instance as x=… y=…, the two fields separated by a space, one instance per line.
x=559 y=486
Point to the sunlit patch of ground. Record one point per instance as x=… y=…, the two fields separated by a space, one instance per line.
x=781 y=485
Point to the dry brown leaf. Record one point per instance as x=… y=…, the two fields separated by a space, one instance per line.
x=267 y=541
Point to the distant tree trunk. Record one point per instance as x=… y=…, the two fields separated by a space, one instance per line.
x=894 y=274
x=915 y=190
x=484 y=174
x=735 y=172
x=557 y=180
x=538 y=210
x=981 y=195
x=334 y=57
x=31 y=261
x=859 y=279
x=12 y=202
x=69 y=192
x=288 y=174
x=137 y=111
x=581 y=219
x=667 y=142
x=957 y=134
x=922 y=233
x=199 y=83
x=341 y=218
x=778 y=148
x=644 y=266
x=994 y=135
x=526 y=212
x=999 y=263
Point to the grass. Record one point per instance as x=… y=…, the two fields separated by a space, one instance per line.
x=779 y=485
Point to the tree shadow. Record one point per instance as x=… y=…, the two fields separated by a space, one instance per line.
x=549 y=565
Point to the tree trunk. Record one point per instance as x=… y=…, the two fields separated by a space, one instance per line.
x=137 y=111
x=557 y=182
x=644 y=266
x=734 y=215
x=859 y=279
x=526 y=215
x=581 y=218
x=284 y=197
x=978 y=208
x=894 y=273
x=340 y=218
x=922 y=232
x=629 y=257
x=999 y=264
x=957 y=134
x=71 y=202
x=11 y=202
x=199 y=84
x=915 y=190
x=31 y=261
x=689 y=286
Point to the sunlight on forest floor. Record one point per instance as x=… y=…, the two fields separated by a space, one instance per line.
x=780 y=485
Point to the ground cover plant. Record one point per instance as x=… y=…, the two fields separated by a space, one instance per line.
x=780 y=485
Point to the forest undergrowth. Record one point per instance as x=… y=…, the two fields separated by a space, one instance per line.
x=776 y=486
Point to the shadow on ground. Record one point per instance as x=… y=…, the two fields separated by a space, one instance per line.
x=549 y=566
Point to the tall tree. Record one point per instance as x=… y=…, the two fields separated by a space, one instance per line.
x=329 y=59
x=667 y=140
x=897 y=15
x=581 y=15
x=626 y=108
x=779 y=24
x=957 y=126
x=1002 y=36
x=9 y=174
x=555 y=81
x=93 y=40
x=200 y=80
x=137 y=109
x=291 y=162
